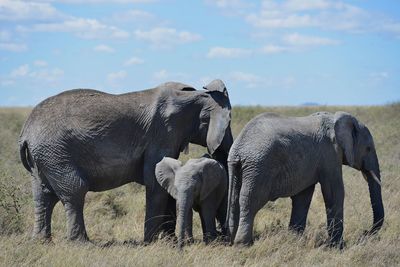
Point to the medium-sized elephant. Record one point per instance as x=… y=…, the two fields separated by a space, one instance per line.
x=200 y=184
x=276 y=156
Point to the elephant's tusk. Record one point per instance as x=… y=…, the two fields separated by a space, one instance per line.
x=375 y=178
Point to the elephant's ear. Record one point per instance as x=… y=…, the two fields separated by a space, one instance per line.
x=165 y=174
x=346 y=127
x=219 y=122
x=216 y=85
x=220 y=114
x=213 y=175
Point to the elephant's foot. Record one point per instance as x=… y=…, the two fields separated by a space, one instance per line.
x=170 y=237
x=243 y=243
x=243 y=239
x=297 y=229
x=79 y=237
x=209 y=237
x=41 y=237
x=339 y=244
x=244 y=234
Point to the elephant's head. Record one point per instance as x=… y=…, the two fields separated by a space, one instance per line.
x=213 y=127
x=357 y=144
x=190 y=183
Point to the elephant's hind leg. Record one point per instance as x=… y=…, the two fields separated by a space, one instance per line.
x=45 y=200
x=300 y=205
x=244 y=234
x=207 y=216
x=75 y=221
x=72 y=189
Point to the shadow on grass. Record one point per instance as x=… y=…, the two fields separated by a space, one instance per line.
x=116 y=243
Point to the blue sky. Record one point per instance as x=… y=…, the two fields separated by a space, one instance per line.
x=267 y=52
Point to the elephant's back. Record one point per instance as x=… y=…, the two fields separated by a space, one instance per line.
x=58 y=106
x=87 y=122
x=84 y=109
x=270 y=133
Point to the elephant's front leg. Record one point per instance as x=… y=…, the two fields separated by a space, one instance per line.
x=207 y=216
x=168 y=226
x=300 y=206
x=156 y=211
x=189 y=227
x=157 y=200
x=333 y=192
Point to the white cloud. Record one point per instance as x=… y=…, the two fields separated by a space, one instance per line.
x=225 y=52
x=379 y=76
x=99 y=1
x=47 y=75
x=226 y=3
x=231 y=7
x=15 y=10
x=47 y=18
x=312 y=5
x=274 y=49
x=40 y=63
x=320 y=14
x=390 y=27
x=42 y=75
x=245 y=77
x=296 y=39
x=21 y=71
x=134 y=61
x=133 y=15
x=324 y=14
x=116 y=76
x=13 y=47
x=162 y=37
x=277 y=20
x=251 y=80
x=4 y=35
x=7 y=82
x=103 y=48
x=160 y=75
x=81 y=27
x=164 y=75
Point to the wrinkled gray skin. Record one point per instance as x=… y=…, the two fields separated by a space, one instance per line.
x=200 y=184
x=276 y=156
x=85 y=140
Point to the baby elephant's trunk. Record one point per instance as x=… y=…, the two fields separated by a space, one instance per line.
x=184 y=205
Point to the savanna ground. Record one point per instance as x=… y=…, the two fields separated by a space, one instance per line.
x=114 y=219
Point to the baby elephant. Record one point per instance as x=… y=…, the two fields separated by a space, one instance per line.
x=200 y=184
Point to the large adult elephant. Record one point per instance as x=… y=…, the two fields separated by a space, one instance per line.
x=85 y=140
x=276 y=156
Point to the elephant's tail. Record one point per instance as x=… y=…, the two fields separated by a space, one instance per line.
x=235 y=183
x=25 y=155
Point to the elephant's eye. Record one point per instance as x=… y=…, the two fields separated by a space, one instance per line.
x=368 y=149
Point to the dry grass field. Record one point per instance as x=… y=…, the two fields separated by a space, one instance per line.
x=114 y=219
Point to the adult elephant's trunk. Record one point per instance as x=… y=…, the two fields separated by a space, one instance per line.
x=221 y=153
x=372 y=174
x=185 y=201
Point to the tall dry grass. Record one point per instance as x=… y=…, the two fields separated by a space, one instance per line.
x=114 y=219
